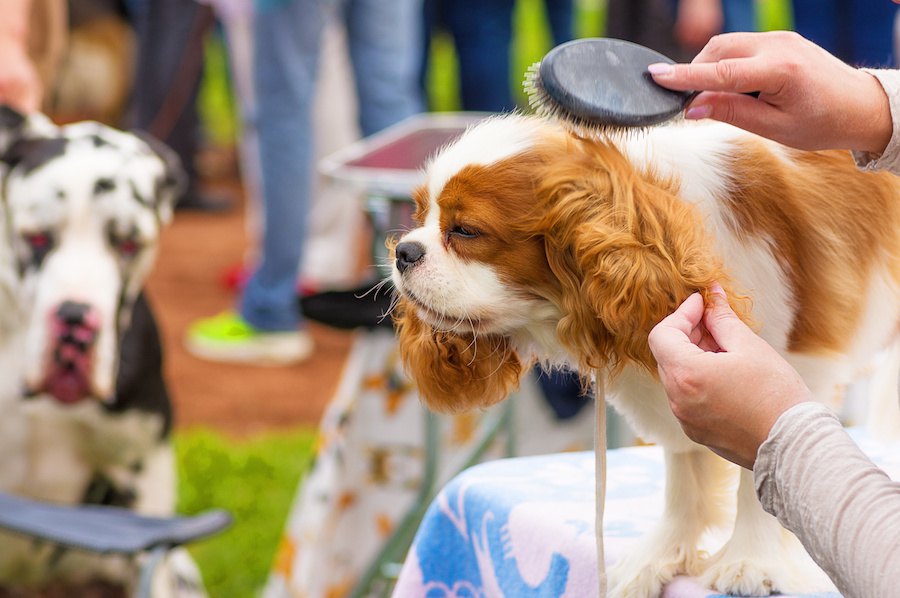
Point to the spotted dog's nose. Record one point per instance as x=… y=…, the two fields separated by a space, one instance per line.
x=408 y=255
x=72 y=313
x=76 y=326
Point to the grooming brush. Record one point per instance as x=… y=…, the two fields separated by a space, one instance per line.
x=598 y=84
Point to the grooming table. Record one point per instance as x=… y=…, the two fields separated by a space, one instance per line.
x=525 y=526
x=382 y=456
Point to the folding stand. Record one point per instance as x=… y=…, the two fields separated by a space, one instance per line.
x=108 y=530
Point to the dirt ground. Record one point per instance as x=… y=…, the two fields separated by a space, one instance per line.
x=188 y=284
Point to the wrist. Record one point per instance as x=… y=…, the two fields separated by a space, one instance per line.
x=875 y=123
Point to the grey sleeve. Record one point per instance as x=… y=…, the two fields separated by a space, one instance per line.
x=811 y=476
x=890 y=159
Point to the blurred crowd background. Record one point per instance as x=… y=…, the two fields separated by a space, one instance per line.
x=185 y=71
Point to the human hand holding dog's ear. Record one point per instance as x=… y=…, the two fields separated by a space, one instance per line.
x=724 y=383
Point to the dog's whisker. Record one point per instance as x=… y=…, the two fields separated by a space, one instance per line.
x=375 y=288
x=395 y=301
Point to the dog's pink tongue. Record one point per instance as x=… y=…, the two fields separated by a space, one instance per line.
x=68 y=386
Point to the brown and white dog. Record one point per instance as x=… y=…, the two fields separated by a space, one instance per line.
x=84 y=412
x=534 y=245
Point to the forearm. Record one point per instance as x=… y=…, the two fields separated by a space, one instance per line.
x=844 y=510
x=14 y=24
x=889 y=159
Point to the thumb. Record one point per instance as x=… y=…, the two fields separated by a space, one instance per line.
x=723 y=324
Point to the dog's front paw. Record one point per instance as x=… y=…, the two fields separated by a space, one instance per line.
x=648 y=568
x=782 y=569
x=743 y=577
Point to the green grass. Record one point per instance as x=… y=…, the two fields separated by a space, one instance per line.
x=255 y=480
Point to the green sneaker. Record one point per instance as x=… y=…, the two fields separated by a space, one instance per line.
x=228 y=338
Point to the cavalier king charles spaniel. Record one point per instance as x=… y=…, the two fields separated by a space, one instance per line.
x=533 y=245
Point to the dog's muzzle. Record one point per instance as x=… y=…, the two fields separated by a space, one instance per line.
x=74 y=331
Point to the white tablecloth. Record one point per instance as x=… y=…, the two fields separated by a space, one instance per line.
x=524 y=527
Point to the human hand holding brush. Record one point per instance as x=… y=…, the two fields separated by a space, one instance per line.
x=807 y=98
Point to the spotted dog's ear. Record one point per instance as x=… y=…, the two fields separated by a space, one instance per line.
x=32 y=152
x=12 y=123
x=174 y=180
x=32 y=139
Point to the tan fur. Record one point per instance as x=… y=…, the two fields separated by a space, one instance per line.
x=586 y=252
x=570 y=222
x=453 y=372
x=625 y=251
x=830 y=225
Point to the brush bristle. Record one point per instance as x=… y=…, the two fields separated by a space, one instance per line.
x=545 y=106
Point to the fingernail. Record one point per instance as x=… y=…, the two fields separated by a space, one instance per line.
x=716 y=289
x=660 y=68
x=698 y=112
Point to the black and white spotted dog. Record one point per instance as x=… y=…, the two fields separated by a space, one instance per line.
x=84 y=413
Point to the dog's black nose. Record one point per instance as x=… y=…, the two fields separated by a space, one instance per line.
x=408 y=255
x=72 y=313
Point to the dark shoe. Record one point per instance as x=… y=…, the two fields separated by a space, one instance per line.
x=361 y=307
x=200 y=202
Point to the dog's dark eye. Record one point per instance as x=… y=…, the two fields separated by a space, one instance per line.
x=128 y=247
x=104 y=186
x=40 y=243
x=464 y=232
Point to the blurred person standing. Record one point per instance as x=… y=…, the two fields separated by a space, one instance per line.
x=32 y=41
x=171 y=36
x=482 y=32
x=677 y=28
x=383 y=38
x=697 y=21
x=858 y=32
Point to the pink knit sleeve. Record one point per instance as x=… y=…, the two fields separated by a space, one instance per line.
x=811 y=476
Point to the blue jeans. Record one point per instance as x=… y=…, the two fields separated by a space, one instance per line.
x=739 y=15
x=859 y=32
x=482 y=35
x=384 y=38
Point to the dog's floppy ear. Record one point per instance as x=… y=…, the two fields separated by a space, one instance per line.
x=12 y=123
x=31 y=152
x=453 y=372
x=15 y=127
x=626 y=251
x=174 y=181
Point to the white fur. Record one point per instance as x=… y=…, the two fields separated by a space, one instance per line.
x=51 y=451
x=695 y=156
x=83 y=267
x=484 y=143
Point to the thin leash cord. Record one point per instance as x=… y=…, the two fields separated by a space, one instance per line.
x=600 y=478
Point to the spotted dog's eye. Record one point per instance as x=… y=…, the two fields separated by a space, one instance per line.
x=40 y=243
x=104 y=186
x=463 y=231
x=127 y=247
